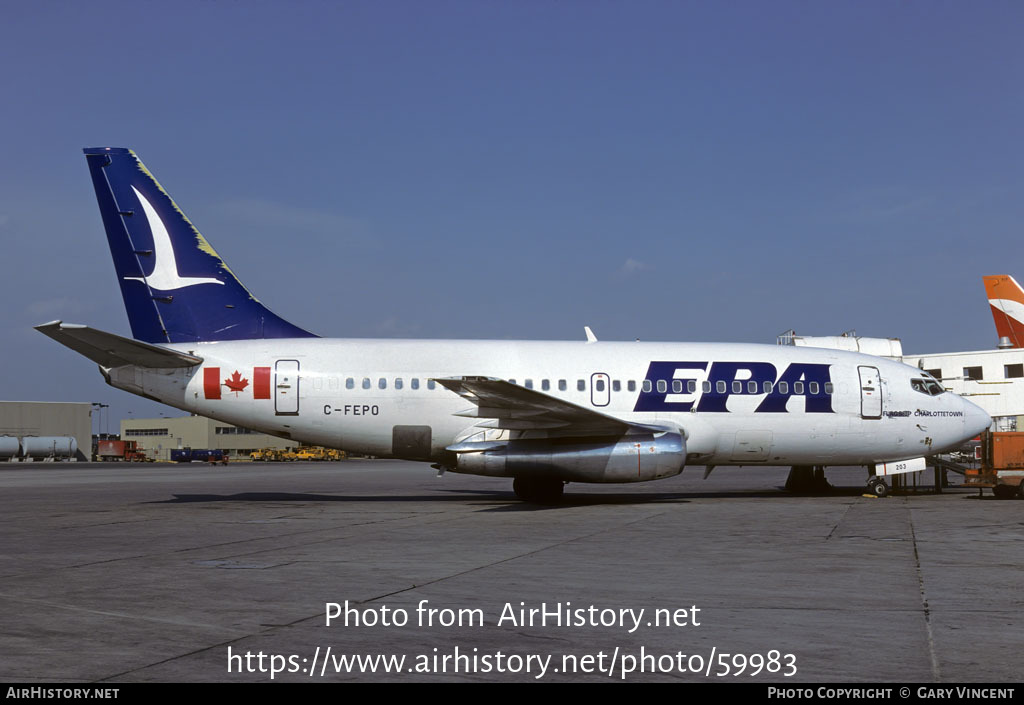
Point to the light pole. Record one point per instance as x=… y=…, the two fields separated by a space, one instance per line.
x=100 y=407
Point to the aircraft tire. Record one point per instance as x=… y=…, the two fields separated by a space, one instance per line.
x=538 y=490
x=878 y=487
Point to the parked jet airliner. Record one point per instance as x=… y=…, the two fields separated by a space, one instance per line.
x=542 y=413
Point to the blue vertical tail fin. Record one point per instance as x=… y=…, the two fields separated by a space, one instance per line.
x=176 y=288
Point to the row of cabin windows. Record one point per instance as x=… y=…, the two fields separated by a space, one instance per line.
x=737 y=387
x=662 y=385
x=382 y=383
x=975 y=373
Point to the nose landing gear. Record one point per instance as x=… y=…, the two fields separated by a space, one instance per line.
x=877 y=486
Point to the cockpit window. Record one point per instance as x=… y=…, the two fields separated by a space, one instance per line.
x=927 y=386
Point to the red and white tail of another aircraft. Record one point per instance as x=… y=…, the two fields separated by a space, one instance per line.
x=1006 y=298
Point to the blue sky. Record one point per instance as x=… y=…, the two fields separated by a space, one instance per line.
x=656 y=170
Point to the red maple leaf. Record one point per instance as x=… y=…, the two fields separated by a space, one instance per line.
x=236 y=383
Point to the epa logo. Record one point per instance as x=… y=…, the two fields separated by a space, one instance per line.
x=722 y=381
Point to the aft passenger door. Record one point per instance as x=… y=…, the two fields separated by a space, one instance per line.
x=286 y=387
x=870 y=393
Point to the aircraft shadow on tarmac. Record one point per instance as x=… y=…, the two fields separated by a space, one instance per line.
x=505 y=501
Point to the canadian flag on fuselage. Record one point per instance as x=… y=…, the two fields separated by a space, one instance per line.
x=236 y=382
x=1006 y=299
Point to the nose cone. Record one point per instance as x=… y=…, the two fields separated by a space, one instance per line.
x=976 y=419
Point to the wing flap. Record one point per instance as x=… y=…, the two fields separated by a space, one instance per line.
x=109 y=350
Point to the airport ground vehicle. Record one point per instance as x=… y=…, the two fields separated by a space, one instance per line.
x=1002 y=464
x=126 y=451
x=200 y=455
x=310 y=453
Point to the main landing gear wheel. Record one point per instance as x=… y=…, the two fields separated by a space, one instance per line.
x=878 y=487
x=538 y=489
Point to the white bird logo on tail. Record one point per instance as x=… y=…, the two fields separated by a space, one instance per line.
x=164 y=276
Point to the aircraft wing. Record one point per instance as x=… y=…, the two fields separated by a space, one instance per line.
x=109 y=350
x=511 y=406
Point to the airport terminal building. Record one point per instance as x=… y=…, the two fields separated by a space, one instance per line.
x=158 y=437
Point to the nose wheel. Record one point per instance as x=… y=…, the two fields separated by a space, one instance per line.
x=878 y=487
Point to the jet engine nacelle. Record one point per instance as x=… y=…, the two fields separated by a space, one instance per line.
x=632 y=458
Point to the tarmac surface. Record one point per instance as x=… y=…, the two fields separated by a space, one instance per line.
x=137 y=573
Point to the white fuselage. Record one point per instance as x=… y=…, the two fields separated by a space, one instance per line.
x=352 y=394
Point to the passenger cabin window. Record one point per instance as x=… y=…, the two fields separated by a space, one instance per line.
x=751 y=387
x=398 y=382
x=616 y=385
x=927 y=386
x=545 y=384
x=350 y=383
x=721 y=386
x=766 y=387
x=829 y=388
x=662 y=386
x=973 y=373
x=705 y=386
x=562 y=385
x=366 y=382
x=1013 y=371
x=798 y=387
x=783 y=388
x=581 y=386
x=414 y=383
x=812 y=388
x=677 y=386
x=431 y=384
x=647 y=385
x=528 y=384
x=600 y=385
x=691 y=385
x=382 y=383
x=631 y=385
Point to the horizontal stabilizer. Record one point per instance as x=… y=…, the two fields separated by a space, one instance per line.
x=109 y=350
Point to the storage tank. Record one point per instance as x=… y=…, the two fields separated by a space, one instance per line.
x=49 y=446
x=10 y=447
